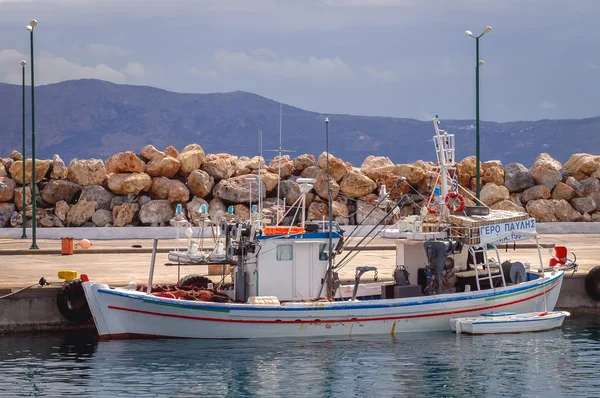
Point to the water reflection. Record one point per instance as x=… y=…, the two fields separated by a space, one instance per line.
x=558 y=363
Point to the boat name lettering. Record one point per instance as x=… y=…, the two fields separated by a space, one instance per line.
x=507 y=232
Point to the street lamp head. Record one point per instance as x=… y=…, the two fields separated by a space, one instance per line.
x=487 y=29
x=23 y=63
x=468 y=33
x=481 y=62
x=33 y=23
x=29 y=28
x=326 y=120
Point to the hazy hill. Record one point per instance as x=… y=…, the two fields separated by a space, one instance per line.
x=92 y=118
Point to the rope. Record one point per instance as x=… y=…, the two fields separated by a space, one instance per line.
x=18 y=291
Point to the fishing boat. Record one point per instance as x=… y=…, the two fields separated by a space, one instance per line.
x=509 y=322
x=284 y=281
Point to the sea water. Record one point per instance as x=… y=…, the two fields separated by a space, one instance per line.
x=558 y=363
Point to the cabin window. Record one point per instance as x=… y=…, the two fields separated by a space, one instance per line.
x=285 y=252
x=323 y=252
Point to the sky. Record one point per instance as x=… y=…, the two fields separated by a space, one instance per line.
x=399 y=58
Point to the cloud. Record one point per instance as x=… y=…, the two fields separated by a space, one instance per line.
x=204 y=74
x=265 y=62
x=381 y=75
x=548 y=105
x=106 y=51
x=591 y=65
x=135 y=69
x=50 y=68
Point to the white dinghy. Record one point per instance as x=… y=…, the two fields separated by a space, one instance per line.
x=509 y=322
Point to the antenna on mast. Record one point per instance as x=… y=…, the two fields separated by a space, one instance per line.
x=280 y=150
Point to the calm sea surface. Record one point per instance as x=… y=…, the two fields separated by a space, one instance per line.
x=559 y=363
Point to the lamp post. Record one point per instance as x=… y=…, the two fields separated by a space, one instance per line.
x=478 y=63
x=24 y=185
x=32 y=24
x=330 y=208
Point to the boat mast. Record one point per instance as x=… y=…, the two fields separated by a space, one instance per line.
x=260 y=217
x=330 y=207
x=280 y=151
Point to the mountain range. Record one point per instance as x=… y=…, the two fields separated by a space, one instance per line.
x=95 y=119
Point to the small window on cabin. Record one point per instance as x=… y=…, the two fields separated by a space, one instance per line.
x=323 y=252
x=285 y=252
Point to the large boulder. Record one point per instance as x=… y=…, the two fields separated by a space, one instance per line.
x=61 y=209
x=80 y=213
x=269 y=179
x=3 y=172
x=163 y=166
x=546 y=170
x=517 y=177
x=584 y=205
x=492 y=193
x=149 y=152
x=241 y=213
x=245 y=165
x=355 y=185
x=87 y=172
x=542 y=210
x=6 y=212
x=193 y=209
x=97 y=193
x=18 y=199
x=200 y=183
x=290 y=190
x=129 y=183
x=303 y=161
x=508 y=205
x=375 y=162
x=467 y=169
x=216 y=210
x=220 y=165
x=15 y=155
x=125 y=162
x=156 y=212
x=582 y=163
x=534 y=193
x=282 y=166
x=173 y=190
x=564 y=212
x=57 y=190
x=59 y=170
x=590 y=185
x=102 y=217
x=578 y=189
x=563 y=191
x=320 y=186
x=337 y=167
x=41 y=168
x=239 y=189
x=7 y=189
x=171 y=151
x=318 y=211
x=124 y=214
x=492 y=171
x=191 y=158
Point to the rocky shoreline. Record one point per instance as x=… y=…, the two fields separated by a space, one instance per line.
x=132 y=189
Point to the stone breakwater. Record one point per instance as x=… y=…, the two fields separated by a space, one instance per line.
x=131 y=189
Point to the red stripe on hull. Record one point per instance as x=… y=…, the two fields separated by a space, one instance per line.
x=317 y=321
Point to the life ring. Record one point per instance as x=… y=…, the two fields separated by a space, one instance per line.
x=451 y=202
x=72 y=303
x=592 y=283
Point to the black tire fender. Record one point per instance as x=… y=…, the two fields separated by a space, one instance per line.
x=592 y=283
x=72 y=303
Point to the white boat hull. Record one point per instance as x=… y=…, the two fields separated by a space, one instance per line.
x=120 y=313
x=515 y=323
